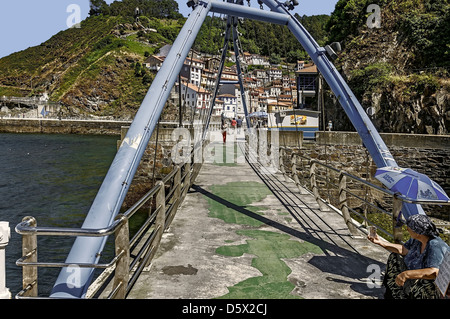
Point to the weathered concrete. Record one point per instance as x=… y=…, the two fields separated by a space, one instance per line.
x=204 y=255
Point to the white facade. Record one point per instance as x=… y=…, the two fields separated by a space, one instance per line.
x=195 y=97
x=193 y=69
x=275 y=74
x=229 y=105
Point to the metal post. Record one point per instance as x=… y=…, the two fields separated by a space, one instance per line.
x=180 y=111
x=314 y=187
x=397 y=231
x=239 y=71
x=219 y=75
x=122 y=271
x=160 y=221
x=29 y=248
x=5 y=234
x=343 y=204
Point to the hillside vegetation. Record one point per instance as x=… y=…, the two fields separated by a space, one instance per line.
x=400 y=69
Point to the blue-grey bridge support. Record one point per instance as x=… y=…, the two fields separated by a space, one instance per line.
x=72 y=282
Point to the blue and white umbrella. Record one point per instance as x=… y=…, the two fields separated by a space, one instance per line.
x=258 y=114
x=411 y=184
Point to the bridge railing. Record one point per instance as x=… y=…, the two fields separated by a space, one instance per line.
x=132 y=255
x=347 y=194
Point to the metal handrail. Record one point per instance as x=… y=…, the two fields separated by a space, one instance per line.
x=374 y=186
x=178 y=188
x=395 y=196
x=24 y=229
x=385 y=190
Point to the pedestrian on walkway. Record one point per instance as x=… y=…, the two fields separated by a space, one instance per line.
x=233 y=125
x=239 y=124
x=224 y=132
x=412 y=268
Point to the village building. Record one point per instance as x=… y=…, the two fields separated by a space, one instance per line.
x=307 y=78
x=208 y=80
x=275 y=74
x=274 y=107
x=154 y=62
x=228 y=75
x=192 y=69
x=229 y=104
x=194 y=96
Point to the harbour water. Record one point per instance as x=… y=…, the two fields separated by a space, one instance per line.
x=53 y=178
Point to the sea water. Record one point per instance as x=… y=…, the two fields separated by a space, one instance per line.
x=53 y=178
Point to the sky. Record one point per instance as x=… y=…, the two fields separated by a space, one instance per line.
x=27 y=23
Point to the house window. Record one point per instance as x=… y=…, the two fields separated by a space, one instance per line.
x=307 y=83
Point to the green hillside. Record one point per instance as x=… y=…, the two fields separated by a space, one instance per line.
x=400 y=69
x=93 y=69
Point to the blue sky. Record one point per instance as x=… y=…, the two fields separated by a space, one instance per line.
x=26 y=23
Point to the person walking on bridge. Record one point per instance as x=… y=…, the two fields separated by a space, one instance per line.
x=239 y=125
x=233 y=125
x=224 y=132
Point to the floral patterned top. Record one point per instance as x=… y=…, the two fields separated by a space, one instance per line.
x=432 y=256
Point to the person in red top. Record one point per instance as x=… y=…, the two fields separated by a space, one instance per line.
x=233 y=124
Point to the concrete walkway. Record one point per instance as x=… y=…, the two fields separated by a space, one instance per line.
x=244 y=234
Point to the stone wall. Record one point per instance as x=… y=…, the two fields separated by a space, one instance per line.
x=55 y=126
x=427 y=154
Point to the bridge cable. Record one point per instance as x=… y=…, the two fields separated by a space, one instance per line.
x=203 y=111
x=293 y=109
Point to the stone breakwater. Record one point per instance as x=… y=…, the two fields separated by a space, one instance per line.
x=63 y=126
x=428 y=154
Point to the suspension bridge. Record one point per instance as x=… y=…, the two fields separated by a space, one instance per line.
x=211 y=223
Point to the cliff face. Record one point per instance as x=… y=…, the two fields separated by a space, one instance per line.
x=400 y=69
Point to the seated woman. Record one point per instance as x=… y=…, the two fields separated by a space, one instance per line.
x=413 y=267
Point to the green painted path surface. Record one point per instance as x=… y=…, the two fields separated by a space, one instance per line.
x=243 y=235
x=269 y=248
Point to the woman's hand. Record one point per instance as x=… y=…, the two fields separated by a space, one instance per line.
x=401 y=278
x=375 y=239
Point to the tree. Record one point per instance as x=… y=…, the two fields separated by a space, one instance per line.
x=274 y=59
x=98 y=7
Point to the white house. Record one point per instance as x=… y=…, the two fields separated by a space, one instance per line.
x=192 y=69
x=154 y=62
x=229 y=75
x=208 y=79
x=275 y=74
x=195 y=97
x=229 y=104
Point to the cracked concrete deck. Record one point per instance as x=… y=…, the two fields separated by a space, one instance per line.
x=188 y=265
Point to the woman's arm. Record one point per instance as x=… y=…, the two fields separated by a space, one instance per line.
x=394 y=248
x=425 y=273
